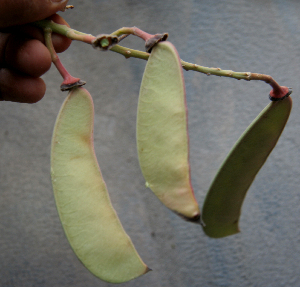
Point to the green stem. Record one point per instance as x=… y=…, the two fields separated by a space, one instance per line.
x=248 y=76
x=128 y=53
x=65 y=31
x=132 y=31
x=205 y=70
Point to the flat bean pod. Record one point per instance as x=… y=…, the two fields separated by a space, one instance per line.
x=90 y=223
x=162 y=135
x=223 y=203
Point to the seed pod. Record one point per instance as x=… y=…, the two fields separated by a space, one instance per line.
x=91 y=224
x=223 y=203
x=162 y=137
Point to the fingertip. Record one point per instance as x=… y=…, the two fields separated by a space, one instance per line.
x=19 y=88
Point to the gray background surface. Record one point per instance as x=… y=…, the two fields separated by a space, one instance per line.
x=258 y=36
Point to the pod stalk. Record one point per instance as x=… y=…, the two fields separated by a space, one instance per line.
x=280 y=93
x=69 y=81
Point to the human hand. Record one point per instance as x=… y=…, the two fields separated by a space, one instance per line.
x=23 y=55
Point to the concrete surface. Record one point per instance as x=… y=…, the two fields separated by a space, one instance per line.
x=258 y=36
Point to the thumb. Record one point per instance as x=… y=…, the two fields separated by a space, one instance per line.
x=18 y=12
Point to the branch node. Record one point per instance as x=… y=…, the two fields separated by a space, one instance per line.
x=104 y=42
x=248 y=75
x=127 y=54
x=184 y=67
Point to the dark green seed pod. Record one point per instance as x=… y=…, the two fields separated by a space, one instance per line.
x=223 y=203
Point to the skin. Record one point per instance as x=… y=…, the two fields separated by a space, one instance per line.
x=90 y=222
x=162 y=137
x=23 y=56
x=222 y=206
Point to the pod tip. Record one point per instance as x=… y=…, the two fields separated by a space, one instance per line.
x=195 y=219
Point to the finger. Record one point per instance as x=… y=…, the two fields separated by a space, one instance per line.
x=20 y=88
x=18 y=12
x=28 y=56
x=60 y=43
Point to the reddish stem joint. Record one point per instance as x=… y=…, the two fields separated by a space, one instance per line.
x=152 y=41
x=69 y=81
x=280 y=93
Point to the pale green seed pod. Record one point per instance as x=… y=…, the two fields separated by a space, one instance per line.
x=90 y=223
x=162 y=136
x=223 y=203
